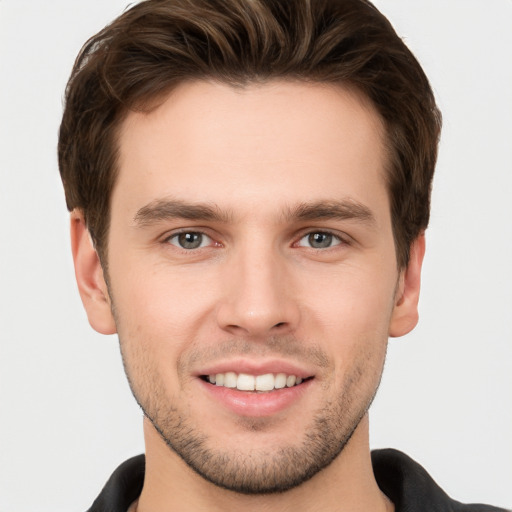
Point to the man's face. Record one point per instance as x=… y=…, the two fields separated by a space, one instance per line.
x=251 y=244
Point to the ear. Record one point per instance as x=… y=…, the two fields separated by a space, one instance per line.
x=90 y=278
x=405 y=312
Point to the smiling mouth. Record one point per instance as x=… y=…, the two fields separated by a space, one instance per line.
x=261 y=383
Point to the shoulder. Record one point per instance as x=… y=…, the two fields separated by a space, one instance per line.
x=412 y=489
x=122 y=488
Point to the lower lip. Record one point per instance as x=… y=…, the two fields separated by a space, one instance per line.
x=254 y=404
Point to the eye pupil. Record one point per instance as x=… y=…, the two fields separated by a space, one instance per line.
x=190 y=240
x=320 y=240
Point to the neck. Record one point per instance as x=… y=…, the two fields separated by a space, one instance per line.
x=346 y=485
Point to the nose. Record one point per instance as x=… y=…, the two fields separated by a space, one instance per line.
x=258 y=296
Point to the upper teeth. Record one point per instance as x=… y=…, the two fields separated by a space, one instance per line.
x=245 y=382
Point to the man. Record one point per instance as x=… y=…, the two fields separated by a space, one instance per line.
x=249 y=184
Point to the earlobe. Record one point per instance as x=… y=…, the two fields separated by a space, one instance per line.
x=90 y=278
x=405 y=312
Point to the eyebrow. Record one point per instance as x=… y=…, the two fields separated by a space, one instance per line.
x=166 y=209
x=346 y=209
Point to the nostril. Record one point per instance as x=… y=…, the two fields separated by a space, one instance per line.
x=280 y=324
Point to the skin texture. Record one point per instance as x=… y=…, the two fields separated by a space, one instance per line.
x=253 y=172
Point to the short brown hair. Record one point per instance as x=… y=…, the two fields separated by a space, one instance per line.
x=157 y=44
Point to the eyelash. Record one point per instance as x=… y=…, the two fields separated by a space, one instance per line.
x=332 y=237
x=175 y=236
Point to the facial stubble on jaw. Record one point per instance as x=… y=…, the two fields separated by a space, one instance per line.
x=257 y=471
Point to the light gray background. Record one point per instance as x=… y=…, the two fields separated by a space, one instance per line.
x=67 y=416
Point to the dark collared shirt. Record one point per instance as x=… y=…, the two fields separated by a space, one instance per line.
x=404 y=481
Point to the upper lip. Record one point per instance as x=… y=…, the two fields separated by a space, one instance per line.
x=253 y=367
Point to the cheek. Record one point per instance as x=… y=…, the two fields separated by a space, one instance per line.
x=352 y=313
x=161 y=306
x=160 y=319
x=352 y=301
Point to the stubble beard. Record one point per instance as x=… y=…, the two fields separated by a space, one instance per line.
x=260 y=471
x=267 y=472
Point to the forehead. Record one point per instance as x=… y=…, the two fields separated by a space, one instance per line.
x=211 y=142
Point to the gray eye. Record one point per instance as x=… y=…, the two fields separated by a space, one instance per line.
x=319 y=240
x=190 y=240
